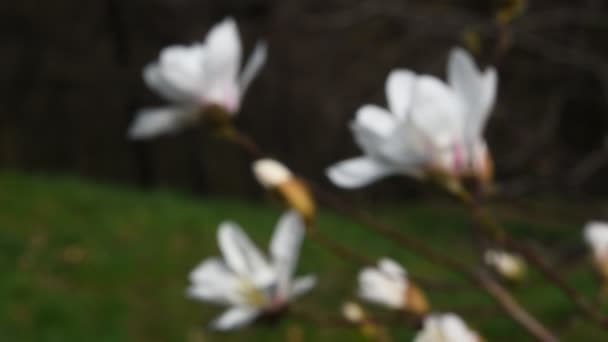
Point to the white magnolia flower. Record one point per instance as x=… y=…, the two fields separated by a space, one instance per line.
x=596 y=236
x=389 y=286
x=430 y=126
x=245 y=280
x=508 y=265
x=196 y=78
x=446 y=328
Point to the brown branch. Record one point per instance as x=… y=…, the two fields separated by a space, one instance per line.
x=493 y=230
x=476 y=277
x=338 y=248
x=509 y=304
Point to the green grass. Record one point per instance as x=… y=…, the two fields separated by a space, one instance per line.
x=85 y=262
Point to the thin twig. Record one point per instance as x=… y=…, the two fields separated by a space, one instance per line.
x=493 y=230
x=515 y=310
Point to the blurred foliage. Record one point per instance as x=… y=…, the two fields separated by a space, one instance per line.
x=89 y=262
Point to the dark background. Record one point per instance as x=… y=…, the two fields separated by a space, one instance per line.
x=71 y=80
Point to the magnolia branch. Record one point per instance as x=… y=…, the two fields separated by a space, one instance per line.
x=493 y=230
x=478 y=278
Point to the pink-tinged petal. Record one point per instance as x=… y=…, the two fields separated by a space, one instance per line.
x=152 y=122
x=358 y=172
x=399 y=86
x=254 y=65
x=235 y=318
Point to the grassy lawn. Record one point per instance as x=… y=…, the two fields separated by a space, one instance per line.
x=85 y=262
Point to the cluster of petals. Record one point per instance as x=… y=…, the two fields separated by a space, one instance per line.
x=429 y=127
x=195 y=78
x=245 y=280
x=446 y=328
x=385 y=284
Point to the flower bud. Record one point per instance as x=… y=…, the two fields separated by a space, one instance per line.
x=415 y=300
x=509 y=266
x=353 y=312
x=277 y=178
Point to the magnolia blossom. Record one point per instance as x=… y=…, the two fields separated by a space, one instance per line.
x=389 y=286
x=245 y=280
x=596 y=236
x=446 y=328
x=510 y=266
x=276 y=177
x=429 y=127
x=196 y=79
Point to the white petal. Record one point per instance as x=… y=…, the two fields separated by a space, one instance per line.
x=243 y=256
x=150 y=123
x=391 y=268
x=408 y=148
x=596 y=235
x=212 y=281
x=437 y=111
x=182 y=68
x=270 y=173
x=463 y=76
x=376 y=119
x=287 y=237
x=487 y=97
x=154 y=78
x=376 y=287
x=302 y=285
x=212 y=269
x=476 y=90
x=368 y=140
x=253 y=66
x=223 y=53
x=285 y=248
x=372 y=127
x=399 y=85
x=455 y=329
x=235 y=318
x=357 y=172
